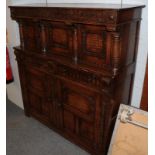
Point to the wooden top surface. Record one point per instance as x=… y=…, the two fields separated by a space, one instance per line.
x=81 y=5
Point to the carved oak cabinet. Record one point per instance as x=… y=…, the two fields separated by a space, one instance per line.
x=76 y=65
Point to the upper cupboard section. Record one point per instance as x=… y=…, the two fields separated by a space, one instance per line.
x=30 y=36
x=78 y=42
x=93 y=36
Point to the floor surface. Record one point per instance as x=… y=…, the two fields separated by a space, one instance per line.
x=27 y=136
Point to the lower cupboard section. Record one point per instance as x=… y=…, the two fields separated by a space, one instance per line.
x=73 y=109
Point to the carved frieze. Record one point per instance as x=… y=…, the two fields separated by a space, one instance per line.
x=61 y=14
x=82 y=76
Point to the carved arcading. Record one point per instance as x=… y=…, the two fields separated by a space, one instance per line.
x=116 y=53
x=82 y=76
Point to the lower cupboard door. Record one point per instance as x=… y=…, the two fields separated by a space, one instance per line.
x=36 y=81
x=80 y=113
x=39 y=107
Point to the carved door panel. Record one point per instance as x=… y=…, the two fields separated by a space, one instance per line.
x=79 y=117
x=30 y=36
x=60 y=39
x=92 y=40
x=37 y=94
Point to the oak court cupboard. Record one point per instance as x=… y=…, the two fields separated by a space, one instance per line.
x=76 y=65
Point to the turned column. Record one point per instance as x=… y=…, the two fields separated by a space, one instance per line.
x=21 y=35
x=116 y=53
x=43 y=39
x=75 y=43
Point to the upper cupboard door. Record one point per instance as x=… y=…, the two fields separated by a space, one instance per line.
x=60 y=39
x=93 y=48
x=30 y=36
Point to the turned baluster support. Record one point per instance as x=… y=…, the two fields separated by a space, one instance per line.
x=43 y=38
x=116 y=53
x=21 y=35
x=75 y=44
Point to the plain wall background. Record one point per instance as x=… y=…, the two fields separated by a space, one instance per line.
x=14 y=90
